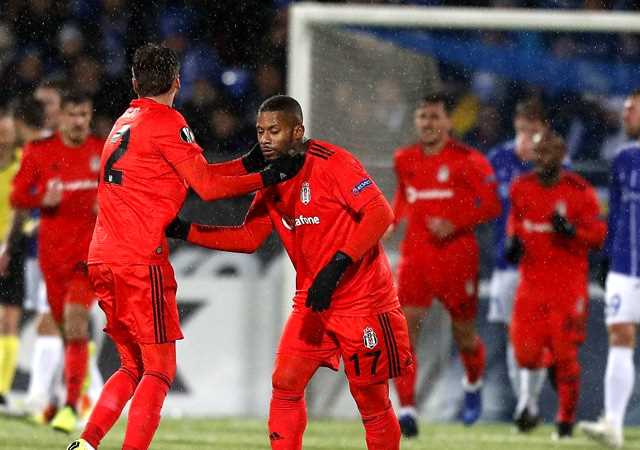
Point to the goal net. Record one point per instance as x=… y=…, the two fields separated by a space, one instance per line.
x=358 y=70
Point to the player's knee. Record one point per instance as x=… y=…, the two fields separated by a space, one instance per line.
x=160 y=359
x=622 y=335
x=567 y=369
x=372 y=400
x=527 y=356
x=286 y=380
x=76 y=322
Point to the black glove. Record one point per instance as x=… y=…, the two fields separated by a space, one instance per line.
x=321 y=290
x=282 y=169
x=178 y=229
x=513 y=250
x=562 y=226
x=254 y=160
x=602 y=270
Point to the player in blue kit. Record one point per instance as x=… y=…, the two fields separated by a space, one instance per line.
x=622 y=289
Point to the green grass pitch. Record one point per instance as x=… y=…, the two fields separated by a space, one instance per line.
x=250 y=434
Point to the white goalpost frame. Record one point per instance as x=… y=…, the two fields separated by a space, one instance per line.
x=304 y=16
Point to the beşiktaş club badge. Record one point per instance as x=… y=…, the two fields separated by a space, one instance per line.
x=369 y=337
x=305 y=193
x=187 y=135
x=443 y=174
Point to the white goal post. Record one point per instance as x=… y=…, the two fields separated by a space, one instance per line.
x=303 y=17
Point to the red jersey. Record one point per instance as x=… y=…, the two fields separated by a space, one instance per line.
x=314 y=213
x=140 y=192
x=456 y=184
x=550 y=260
x=65 y=230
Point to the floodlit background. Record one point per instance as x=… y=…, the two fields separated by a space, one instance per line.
x=359 y=92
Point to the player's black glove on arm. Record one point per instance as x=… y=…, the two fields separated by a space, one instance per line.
x=254 y=160
x=325 y=283
x=513 y=250
x=282 y=169
x=562 y=226
x=178 y=229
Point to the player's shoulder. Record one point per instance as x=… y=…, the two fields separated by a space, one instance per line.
x=328 y=153
x=524 y=181
x=501 y=153
x=575 y=180
x=42 y=142
x=626 y=152
x=406 y=152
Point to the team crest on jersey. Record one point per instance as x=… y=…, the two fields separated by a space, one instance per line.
x=443 y=174
x=369 y=338
x=561 y=207
x=187 y=135
x=94 y=163
x=305 y=193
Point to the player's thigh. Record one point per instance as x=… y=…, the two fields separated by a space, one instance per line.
x=414 y=286
x=459 y=293
x=372 y=399
x=146 y=307
x=529 y=338
x=305 y=336
x=414 y=315
x=502 y=291
x=622 y=299
x=292 y=372
x=160 y=359
x=373 y=348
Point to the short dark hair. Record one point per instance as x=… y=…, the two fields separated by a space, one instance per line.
x=635 y=93
x=56 y=83
x=434 y=98
x=29 y=110
x=282 y=103
x=532 y=109
x=75 y=97
x=154 y=68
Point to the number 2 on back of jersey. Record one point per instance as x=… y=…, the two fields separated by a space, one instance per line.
x=111 y=175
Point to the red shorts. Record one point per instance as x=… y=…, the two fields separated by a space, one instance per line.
x=420 y=282
x=542 y=332
x=139 y=302
x=67 y=286
x=373 y=348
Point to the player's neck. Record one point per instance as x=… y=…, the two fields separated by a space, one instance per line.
x=164 y=99
x=549 y=179
x=433 y=149
x=71 y=143
x=6 y=158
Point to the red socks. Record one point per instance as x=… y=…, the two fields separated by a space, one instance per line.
x=406 y=384
x=76 y=357
x=474 y=361
x=287 y=419
x=144 y=414
x=116 y=393
x=382 y=431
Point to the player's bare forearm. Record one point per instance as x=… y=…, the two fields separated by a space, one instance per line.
x=376 y=217
x=209 y=184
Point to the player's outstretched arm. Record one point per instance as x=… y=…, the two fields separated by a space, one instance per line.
x=206 y=180
x=246 y=238
x=251 y=162
x=591 y=229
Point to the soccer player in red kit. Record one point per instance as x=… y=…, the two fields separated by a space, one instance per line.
x=59 y=175
x=445 y=189
x=553 y=222
x=148 y=161
x=330 y=218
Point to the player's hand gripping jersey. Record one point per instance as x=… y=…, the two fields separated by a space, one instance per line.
x=65 y=230
x=552 y=259
x=140 y=189
x=456 y=184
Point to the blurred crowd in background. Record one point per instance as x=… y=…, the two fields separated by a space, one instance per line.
x=234 y=55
